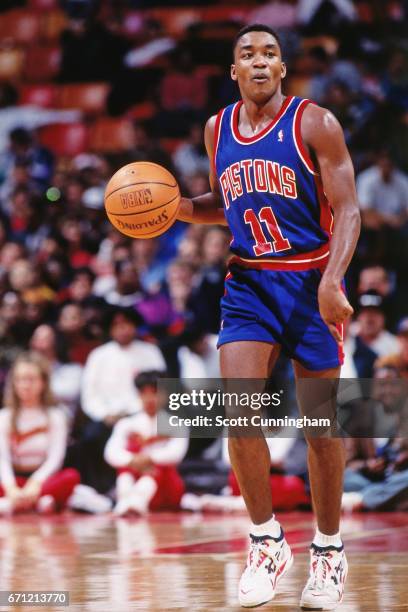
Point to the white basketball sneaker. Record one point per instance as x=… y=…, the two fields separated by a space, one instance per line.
x=328 y=572
x=268 y=560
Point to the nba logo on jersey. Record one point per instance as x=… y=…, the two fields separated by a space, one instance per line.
x=280 y=136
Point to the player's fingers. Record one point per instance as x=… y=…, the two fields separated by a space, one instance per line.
x=348 y=310
x=341 y=314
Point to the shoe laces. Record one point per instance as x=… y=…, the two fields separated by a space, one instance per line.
x=320 y=570
x=257 y=555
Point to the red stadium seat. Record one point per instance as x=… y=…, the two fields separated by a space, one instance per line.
x=89 y=97
x=52 y=24
x=65 y=139
x=43 y=5
x=11 y=63
x=39 y=95
x=21 y=26
x=171 y=144
x=175 y=21
x=42 y=63
x=143 y=111
x=110 y=135
x=224 y=13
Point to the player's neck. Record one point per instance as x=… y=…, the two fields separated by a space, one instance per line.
x=256 y=114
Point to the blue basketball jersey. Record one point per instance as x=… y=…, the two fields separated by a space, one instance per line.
x=273 y=197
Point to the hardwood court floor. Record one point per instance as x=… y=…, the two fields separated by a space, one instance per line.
x=189 y=562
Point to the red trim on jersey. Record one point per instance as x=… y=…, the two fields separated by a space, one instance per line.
x=217 y=131
x=326 y=215
x=340 y=347
x=340 y=329
x=302 y=261
x=297 y=133
x=227 y=277
x=250 y=139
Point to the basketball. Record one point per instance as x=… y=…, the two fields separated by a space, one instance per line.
x=142 y=200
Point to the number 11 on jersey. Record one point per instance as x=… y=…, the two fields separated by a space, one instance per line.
x=262 y=244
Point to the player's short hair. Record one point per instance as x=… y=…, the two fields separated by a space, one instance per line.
x=256 y=27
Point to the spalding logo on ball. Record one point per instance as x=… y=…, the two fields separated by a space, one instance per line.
x=142 y=200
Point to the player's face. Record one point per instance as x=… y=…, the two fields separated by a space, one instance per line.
x=258 y=66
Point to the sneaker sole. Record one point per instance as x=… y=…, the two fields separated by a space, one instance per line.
x=311 y=607
x=262 y=603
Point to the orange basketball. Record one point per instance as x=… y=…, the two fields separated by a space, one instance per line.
x=142 y=200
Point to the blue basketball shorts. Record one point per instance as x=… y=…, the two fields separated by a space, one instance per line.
x=279 y=307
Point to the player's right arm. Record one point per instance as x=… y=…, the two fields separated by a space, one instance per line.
x=207 y=208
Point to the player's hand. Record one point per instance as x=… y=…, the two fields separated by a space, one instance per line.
x=186 y=209
x=334 y=308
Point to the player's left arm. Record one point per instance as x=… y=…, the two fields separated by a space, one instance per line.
x=322 y=133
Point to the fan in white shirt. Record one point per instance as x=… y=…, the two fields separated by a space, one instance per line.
x=108 y=390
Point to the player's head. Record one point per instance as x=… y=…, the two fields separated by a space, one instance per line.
x=257 y=66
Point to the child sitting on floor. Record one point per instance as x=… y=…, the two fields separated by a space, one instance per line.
x=146 y=463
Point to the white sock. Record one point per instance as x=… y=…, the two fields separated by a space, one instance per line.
x=271 y=528
x=322 y=540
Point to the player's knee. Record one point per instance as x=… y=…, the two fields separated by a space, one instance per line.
x=322 y=445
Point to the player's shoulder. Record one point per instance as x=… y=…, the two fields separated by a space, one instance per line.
x=317 y=117
x=212 y=121
x=209 y=130
x=209 y=133
x=212 y=128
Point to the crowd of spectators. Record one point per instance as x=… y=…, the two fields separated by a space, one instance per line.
x=101 y=307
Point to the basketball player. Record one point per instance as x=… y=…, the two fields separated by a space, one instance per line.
x=279 y=167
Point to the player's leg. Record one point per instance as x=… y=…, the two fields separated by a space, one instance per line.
x=326 y=456
x=270 y=556
x=253 y=360
x=326 y=462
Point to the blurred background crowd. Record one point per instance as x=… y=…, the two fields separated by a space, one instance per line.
x=89 y=85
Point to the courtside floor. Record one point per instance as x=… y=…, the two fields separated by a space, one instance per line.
x=189 y=562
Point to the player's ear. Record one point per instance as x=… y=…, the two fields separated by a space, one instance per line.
x=283 y=70
x=233 y=72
